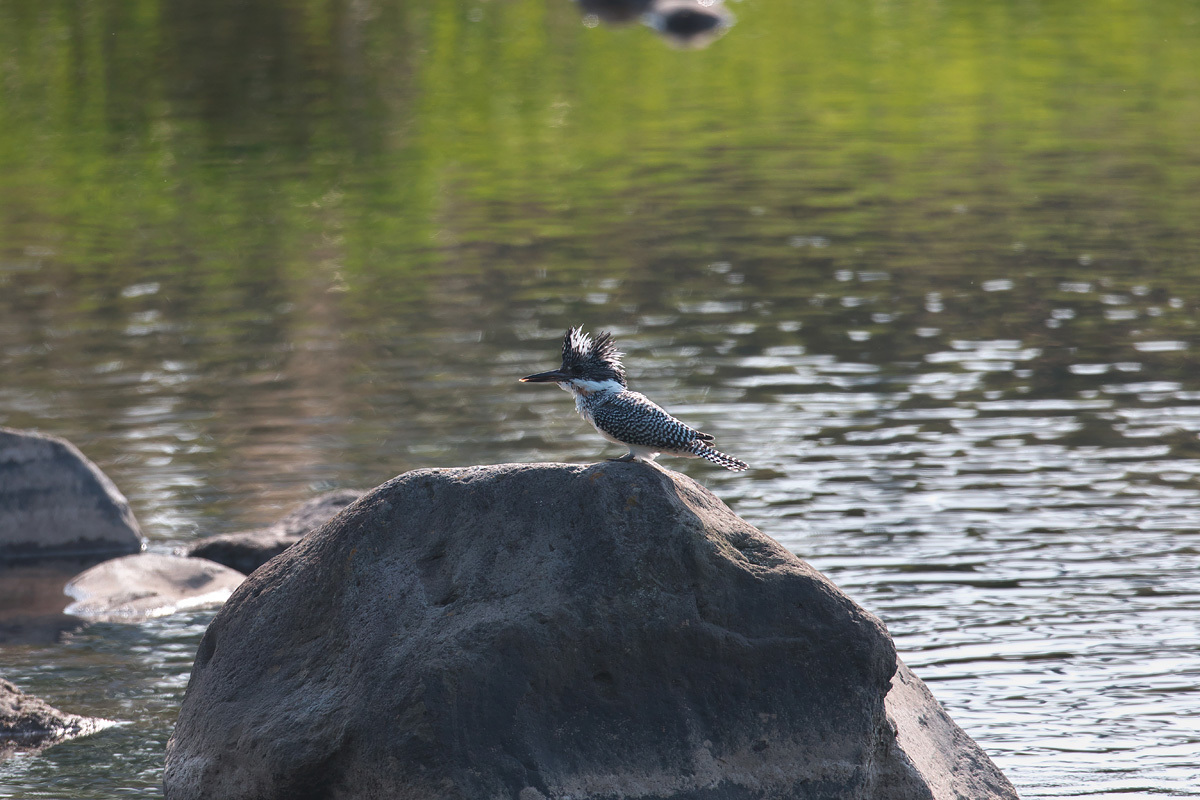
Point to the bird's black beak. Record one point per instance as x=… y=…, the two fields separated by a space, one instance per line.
x=553 y=376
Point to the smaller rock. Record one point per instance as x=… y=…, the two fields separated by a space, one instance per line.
x=55 y=502
x=147 y=585
x=29 y=723
x=246 y=551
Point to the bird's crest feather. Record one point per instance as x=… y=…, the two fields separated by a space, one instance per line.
x=598 y=356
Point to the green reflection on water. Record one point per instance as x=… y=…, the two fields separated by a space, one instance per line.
x=284 y=168
x=249 y=247
x=290 y=195
x=287 y=200
x=215 y=140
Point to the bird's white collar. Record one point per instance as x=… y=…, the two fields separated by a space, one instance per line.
x=587 y=388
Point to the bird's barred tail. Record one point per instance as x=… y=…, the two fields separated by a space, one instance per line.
x=709 y=453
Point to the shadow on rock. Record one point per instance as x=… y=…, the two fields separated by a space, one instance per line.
x=551 y=630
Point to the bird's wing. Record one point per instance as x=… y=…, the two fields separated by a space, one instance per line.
x=634 y=419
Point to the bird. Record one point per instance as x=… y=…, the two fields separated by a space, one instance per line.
x=593 y=373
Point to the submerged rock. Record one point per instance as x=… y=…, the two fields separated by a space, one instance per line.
x=29 y=723
x=553 y=631
x=246 y=551
x=148 y=585
x=55 y=502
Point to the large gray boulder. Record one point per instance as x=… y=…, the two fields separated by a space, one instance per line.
x=246 y=551
x=554 y=631
x=55 y=502
x=30 y=723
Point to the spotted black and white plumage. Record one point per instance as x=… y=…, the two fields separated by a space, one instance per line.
x=593 y=373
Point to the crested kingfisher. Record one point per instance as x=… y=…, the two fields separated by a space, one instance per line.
x=593 y=373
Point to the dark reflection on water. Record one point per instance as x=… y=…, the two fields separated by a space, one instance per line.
x=930 y=270
x=685 y=23
x=32 y=600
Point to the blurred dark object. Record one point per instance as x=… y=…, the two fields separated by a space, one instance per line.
x=689 y=23
x=683 y=23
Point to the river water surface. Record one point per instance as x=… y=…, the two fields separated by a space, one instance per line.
x=929 y=267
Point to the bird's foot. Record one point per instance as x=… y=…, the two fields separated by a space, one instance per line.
x=627 y=457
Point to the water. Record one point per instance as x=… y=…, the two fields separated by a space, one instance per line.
x=929 y=268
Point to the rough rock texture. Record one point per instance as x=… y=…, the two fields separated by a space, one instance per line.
x=146 y=585
x=246 y=551
x=936 y=749
x=28 y=723
x=53 y=501
x=551 y=631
